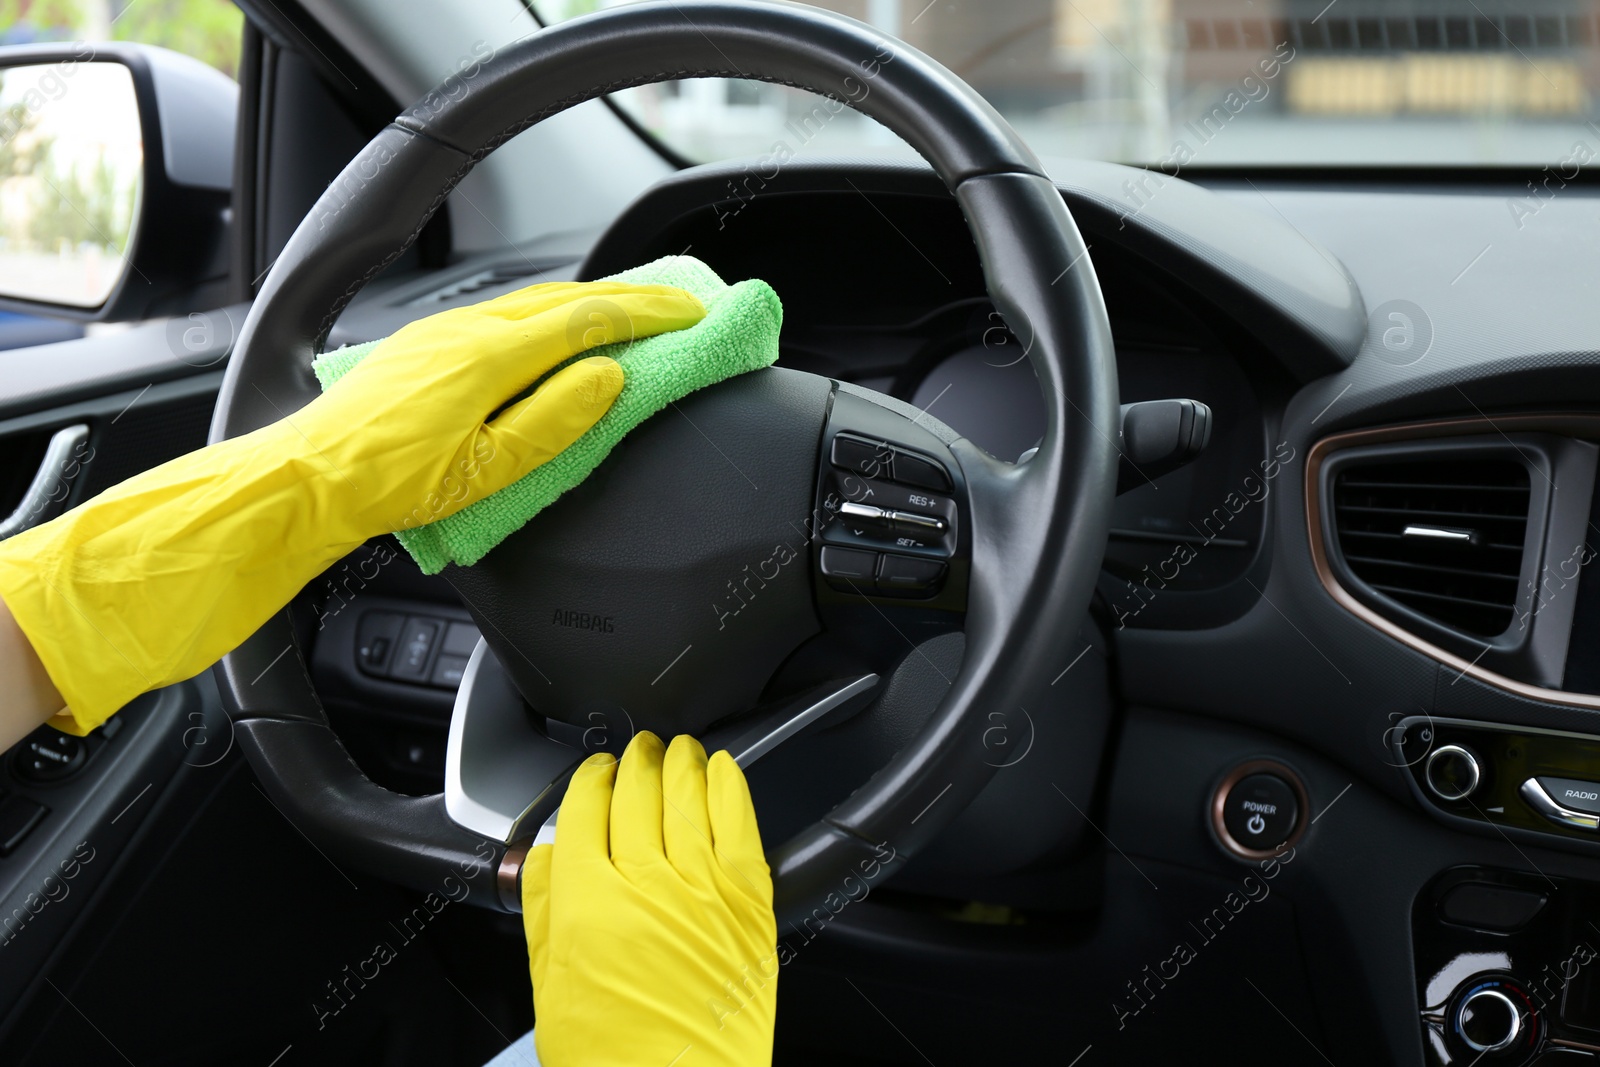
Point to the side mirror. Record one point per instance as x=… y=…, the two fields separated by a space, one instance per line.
x=116 y=172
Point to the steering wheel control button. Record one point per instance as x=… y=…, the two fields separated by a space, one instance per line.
x=879 y=497
x=883 y=514
x=889 y=520
x=910 y=524
x=878 y=459
x=1488 y=1020
x=1261 y=811
x=18 y=817
x=850 y=569
x=50 y=756
x=376 y=638
x=864 y=520
x=923 y=473
x=908 y=574
x=417 y=641
x=870 y=459
x=1452 y=773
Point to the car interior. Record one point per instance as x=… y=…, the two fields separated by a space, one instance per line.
x=1147 y=593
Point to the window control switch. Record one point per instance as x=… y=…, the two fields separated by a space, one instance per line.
x=376 y=637
x=414 y=655
x=18 y=817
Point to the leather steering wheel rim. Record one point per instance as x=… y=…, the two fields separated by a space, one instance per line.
x=1038 y=528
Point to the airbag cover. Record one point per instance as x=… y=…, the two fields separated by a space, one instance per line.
x=672 y=583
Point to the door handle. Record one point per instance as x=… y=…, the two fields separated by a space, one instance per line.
x=46 y=495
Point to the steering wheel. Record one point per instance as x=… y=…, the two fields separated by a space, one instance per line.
x=894 y=524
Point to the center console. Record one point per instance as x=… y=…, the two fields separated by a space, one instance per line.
x=1507 y=962
x=1508 y=968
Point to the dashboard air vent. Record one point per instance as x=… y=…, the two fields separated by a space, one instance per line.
x=1443 y=537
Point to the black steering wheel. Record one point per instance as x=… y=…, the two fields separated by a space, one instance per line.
x=895 y=525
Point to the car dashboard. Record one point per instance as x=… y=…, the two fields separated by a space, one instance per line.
x=1367 y=595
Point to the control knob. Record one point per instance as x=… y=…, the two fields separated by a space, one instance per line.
x=1489 y=1020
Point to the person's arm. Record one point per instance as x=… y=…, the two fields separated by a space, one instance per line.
x=153 y=580
x=30 y=697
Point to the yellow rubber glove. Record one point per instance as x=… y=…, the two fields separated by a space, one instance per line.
x=650 y=927
x=155 y=579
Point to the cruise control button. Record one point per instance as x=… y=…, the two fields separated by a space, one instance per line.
x=871 y=459
x=416 y=645
x=908 y=574
x=1260 y=811
x=914 y=470
x=1572 y=793
x=864 y=520
x=850 y=569
x=910 y=524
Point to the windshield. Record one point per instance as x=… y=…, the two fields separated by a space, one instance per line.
x=1202 y=83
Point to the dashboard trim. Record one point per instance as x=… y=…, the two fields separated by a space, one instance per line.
x=1570 y=423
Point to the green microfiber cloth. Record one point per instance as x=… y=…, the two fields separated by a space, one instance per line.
x=738 y=334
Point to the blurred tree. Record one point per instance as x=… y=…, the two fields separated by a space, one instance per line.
x=75 y=209
x=54 y=222
x=20 y=149
x=108 y=209
x=22 y=21
x=208 y=30
x=552 y=11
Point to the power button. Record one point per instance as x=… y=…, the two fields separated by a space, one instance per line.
x=1258 y=808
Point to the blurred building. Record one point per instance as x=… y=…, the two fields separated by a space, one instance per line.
x=1162 y=80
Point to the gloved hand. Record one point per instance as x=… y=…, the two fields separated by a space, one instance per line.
x=154 y=579
x=650 y=926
